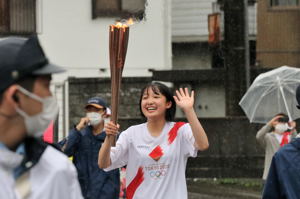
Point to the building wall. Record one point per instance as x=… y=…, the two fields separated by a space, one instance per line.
x=189 y=19
x=190 y=49
x=190 y=33
x=209 y=101
x=278 y=36
x=191 y=55
x=72 y=39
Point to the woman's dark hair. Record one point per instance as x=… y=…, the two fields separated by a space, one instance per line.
x=27 y=82
x=284 y=118
x=159 y=88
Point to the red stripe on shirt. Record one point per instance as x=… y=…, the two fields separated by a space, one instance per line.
x=173 y=131
x=135 y=183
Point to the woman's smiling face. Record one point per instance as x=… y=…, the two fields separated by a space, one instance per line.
x=154 y=104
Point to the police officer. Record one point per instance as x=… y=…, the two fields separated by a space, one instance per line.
x=28 y=167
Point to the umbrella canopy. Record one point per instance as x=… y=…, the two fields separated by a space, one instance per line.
x=271 y=93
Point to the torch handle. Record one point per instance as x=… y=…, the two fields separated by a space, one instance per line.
x=118 y=41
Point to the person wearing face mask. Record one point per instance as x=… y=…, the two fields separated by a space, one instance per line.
x=283 y=181
x=29 y=168
x=83 y=143
x=275 y=134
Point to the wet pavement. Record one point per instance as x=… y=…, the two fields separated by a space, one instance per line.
x=230 y=189
x=212 y=196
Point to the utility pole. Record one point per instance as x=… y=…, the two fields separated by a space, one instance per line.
x=236 y=50
x=247 y=48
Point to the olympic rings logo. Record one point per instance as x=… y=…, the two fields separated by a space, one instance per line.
x=157 y=174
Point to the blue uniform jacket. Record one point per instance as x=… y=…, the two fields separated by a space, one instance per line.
x=283 y=181
x=95 y=183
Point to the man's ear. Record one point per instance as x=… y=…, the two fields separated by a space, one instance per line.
x=12 y=94
x=15 y=98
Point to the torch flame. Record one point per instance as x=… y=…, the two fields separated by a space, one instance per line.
x=124 y=23
x=119 y=25
x=130 y=21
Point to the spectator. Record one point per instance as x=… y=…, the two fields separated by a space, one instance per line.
x=275 y=134
x=83 y=143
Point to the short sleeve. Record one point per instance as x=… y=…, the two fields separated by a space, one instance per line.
x=188 y=140
x=119 y=153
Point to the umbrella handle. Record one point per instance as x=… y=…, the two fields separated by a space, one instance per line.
x=285 y=103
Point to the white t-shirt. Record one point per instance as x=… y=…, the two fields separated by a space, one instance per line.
x=155 y=165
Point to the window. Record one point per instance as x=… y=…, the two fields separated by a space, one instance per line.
x=284 y=3
x=118 y=8
x=251 y=2
x=17 y=17
x=221 y=3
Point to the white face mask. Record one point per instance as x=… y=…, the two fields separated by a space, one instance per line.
x=281 y=127
x=37 y=124
x=95 y=118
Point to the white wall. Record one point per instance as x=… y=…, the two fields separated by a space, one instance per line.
x=72 y=39
x=209 y=102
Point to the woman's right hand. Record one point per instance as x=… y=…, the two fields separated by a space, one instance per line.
x=111 y=128
x=274 y=120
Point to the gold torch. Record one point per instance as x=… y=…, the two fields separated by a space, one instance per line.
x=118 y=41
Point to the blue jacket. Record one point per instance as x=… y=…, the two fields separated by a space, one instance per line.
x=283 y=181
x=95 y=183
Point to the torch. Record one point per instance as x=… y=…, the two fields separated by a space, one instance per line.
x=118 y=41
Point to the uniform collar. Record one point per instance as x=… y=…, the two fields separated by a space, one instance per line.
x=2 y=146
x=25 y=157
x=9 y=160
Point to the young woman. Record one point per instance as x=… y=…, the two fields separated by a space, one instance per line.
x=156 y=152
